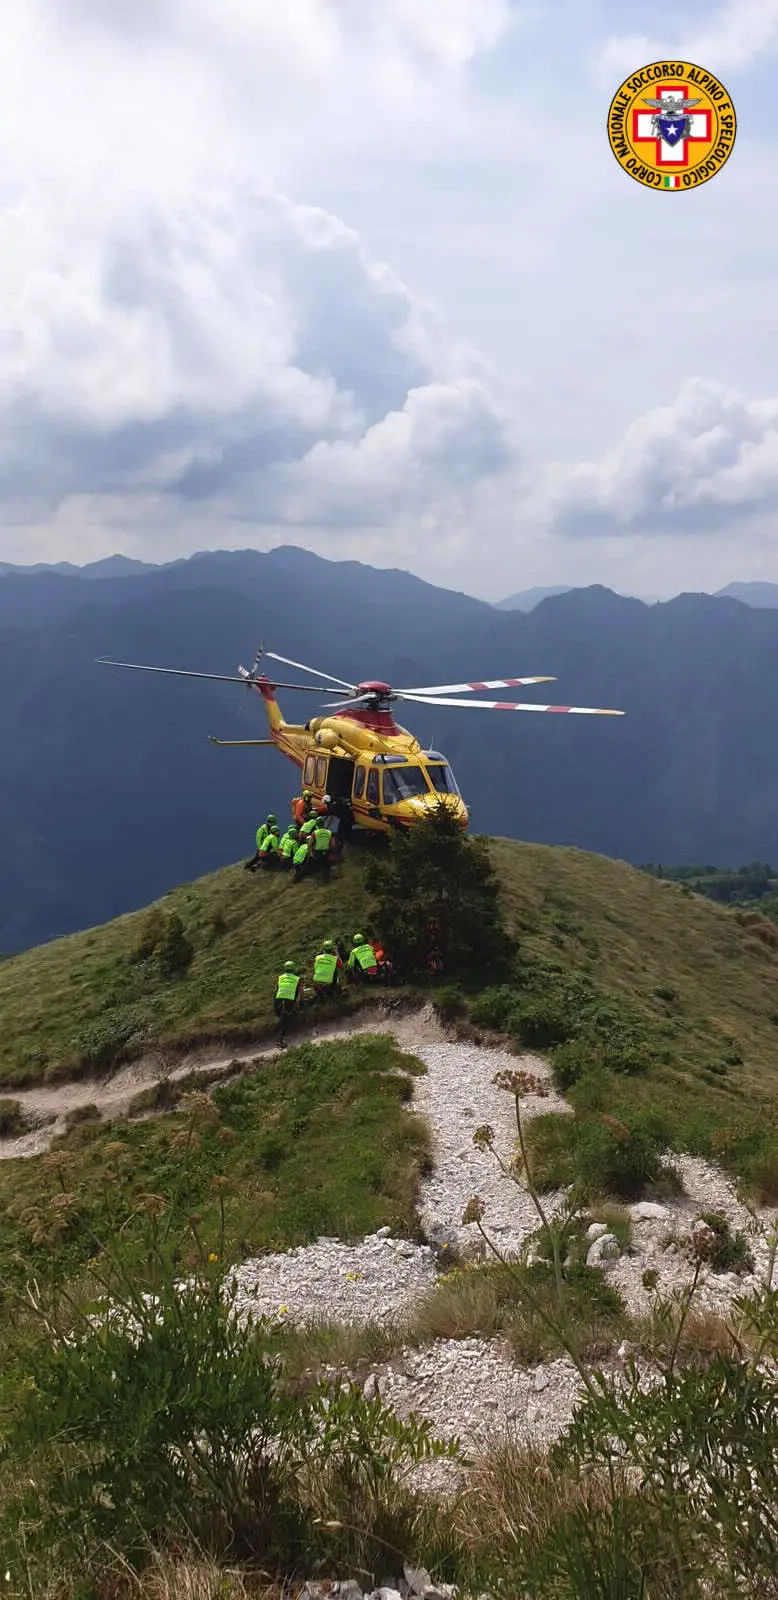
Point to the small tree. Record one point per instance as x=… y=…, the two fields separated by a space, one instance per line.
x=437 y=888
x=174 y=951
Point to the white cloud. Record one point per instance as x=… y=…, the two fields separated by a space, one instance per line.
x=240 y=350
x=682 y=468
x=732 y=38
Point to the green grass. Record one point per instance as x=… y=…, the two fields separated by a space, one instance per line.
x=318 y=1143
x=57 y=1001
x=676 y=997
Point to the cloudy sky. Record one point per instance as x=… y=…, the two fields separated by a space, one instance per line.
x=363 y=275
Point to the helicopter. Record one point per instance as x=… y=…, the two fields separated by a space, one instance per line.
x=357 y=753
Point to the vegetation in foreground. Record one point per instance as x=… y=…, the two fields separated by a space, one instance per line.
x=137 y=1424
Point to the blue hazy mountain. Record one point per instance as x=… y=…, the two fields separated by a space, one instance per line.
x=111 y=792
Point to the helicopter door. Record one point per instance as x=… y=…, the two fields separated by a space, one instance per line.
x=340 y=778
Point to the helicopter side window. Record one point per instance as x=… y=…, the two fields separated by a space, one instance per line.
x=402 y=783
x=372 y=787
x=359 y=782
x=321 y=771
x=308 y=771
x=442 y=778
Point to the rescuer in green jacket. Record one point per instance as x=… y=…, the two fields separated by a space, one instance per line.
x=289 y=994
x=301 y=859
x=268 y=850
x=261 y=835
x=362 y=963
x=288 y=845
x=322 y=848
x=327 y=969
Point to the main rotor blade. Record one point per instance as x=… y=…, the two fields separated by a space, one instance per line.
x=508 y=705
x=357 y=700
x=489 y=683
x=314 y=671
x=214 y=677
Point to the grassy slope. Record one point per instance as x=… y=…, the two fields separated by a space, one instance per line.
x=632 y=934
x=50 y=997
x=317 y=1143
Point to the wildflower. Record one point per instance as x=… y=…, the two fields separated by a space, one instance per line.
x=152 y=1204
x=212 y=1256
x=184 y=1140
x=483 y=1138
x=282 y=1311
x=474 y=1211
x=520 y=1083
x=198 y=1104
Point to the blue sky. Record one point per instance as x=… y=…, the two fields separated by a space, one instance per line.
x=363 y=275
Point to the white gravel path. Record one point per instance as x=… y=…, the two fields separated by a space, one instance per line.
x=457 y=1095
x=470 y=1389
x=328 y=1281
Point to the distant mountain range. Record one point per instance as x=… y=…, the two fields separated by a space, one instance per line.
x=750 y=594
x=111 y=792
x=528 y=599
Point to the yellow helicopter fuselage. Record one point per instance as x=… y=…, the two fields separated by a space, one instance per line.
x=365 y=758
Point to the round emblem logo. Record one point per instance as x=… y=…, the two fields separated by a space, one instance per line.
x=671 y=125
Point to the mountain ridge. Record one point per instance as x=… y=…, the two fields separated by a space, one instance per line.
x=111 y=791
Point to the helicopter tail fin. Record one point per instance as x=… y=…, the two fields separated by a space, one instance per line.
x=268 y=693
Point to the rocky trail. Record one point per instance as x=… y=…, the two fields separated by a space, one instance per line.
x=468 y=1387
x=47 y=1106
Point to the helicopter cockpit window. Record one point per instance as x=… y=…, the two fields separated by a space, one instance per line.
x=372 y=787
x=359 y=782
x=402 y=783
x=442 y=778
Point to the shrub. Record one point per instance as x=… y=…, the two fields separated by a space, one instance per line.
x=492 y=1008
x=597 y=1152
x=492 y=1299
x=450 y=1002
x=167 y=1418
x=151 y=932
x=12 y=1119
x=540 y=1023
x=89 y=1113
x=175 y=951
x=665 y=991
x=729 y=1251
x=612 y=1158
x=571 y=1060
x=104 y=1042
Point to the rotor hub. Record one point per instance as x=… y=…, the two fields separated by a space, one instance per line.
x=382 y=691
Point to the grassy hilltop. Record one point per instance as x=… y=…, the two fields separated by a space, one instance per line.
x=704 y=979
x=658 y=1008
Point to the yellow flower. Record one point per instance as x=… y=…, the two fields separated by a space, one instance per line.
x=282 y=1310
x=213 y=1256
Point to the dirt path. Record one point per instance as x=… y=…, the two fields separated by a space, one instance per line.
x=49 y=1105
